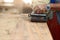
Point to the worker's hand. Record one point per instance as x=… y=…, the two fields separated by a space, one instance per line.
x=41 y=7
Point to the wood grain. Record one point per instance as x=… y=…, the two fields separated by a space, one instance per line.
x=19 y=27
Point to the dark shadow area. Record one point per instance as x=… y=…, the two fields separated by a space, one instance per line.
x=54 y=27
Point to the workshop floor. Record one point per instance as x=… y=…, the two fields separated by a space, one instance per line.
x=18 y=27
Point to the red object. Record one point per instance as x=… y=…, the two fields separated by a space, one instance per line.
x=54 y=27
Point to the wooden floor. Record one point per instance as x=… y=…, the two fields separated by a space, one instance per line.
x=18 y=27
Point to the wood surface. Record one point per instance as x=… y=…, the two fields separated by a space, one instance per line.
x=19 y=27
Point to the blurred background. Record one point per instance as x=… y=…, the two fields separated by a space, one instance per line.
x=24 y=6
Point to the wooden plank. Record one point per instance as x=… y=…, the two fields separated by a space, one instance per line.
x=20 y=28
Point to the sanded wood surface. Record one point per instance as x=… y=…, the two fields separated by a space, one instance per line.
x=18 y=27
